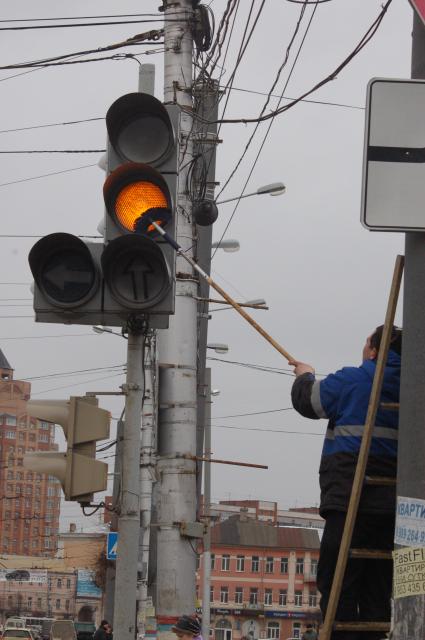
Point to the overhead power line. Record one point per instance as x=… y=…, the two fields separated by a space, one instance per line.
x=367 y=37
x=80 y=24
x=149 y=37
x=119 y=15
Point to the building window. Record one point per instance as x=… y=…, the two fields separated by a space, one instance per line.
x=44 y=425
x=68 y=583
x=273 y=629
x=39 y=605
x=211 y=594
x=58 y=604
x=212 y=560
x=225 y=562
x=284 y=565
x=299 y=566
x=29 y=603
x=296 y=630
x=253 y=595
x=240 y=563
x=298 y=600
x=43 y=437
x=283 y=597
x=34 y=544
x=21 y=436
x=224 y=595
x=11 y=435
x=11 y=422
x=255 y=564
x=313 y=567
x=59 y=583
x=269 y=564
x=312 y=599
x=268 y=596
x=67 y=605
x=47 y=544
x=239 y=595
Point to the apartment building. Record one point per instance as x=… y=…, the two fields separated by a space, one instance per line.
x=263 y=580
x=29 y=502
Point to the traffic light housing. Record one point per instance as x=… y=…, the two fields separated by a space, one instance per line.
x=131 y=275
x=83 y=424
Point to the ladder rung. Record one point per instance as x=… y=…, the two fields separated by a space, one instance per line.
x=371 y=554
x=394 y=406
x=362 y=626
x=380 y=481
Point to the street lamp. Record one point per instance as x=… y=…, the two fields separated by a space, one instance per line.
x=218 y=347
x=100 y=329
x=273 y=189
x=229 y=246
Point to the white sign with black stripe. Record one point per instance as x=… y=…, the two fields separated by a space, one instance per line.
x=393 y=190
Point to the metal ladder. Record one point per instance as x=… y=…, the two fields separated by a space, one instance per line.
x=360 y=478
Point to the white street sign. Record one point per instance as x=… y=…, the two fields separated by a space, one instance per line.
x=393 y=190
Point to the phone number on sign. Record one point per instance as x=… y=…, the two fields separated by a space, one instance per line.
x=409 y=535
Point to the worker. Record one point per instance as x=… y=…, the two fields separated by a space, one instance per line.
x=343 y=399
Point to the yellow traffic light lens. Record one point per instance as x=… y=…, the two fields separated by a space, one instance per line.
x=136 y=199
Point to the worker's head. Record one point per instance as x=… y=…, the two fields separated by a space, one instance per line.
x=187 y=627
x=373 y=342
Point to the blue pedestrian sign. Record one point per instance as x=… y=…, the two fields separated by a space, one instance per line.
x=111 y=545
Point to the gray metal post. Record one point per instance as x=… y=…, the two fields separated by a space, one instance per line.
x=206 y=558
x=129 y=516
x=409 y=612
x=110 y=571
x=207 y=97
x=176 y=559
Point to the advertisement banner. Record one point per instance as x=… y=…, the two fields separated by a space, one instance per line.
x=86 y=586
x=37 y=576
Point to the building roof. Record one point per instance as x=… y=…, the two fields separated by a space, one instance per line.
x=4 y=364
x=254 y=533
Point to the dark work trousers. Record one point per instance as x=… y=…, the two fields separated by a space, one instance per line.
x=367 y=585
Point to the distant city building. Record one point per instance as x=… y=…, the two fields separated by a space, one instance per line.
x=263 y=579
x=29 y=502
x=266 y=511
x=69 y=586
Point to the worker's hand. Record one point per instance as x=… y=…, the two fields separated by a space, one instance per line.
x=301 y=367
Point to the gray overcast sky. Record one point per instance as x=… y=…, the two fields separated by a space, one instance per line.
x=325 y=278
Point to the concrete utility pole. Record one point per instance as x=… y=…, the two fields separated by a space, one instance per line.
x=129 y=516
x=176 y=501
x=409 y=612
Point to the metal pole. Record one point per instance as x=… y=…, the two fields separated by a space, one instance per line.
x=409 y=613
x=176 y=501
x=149 y=413
x=111 y=570
x=129 y=515
x=207 y=96
x=206 y=577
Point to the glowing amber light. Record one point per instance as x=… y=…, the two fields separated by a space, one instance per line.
x=135 y=199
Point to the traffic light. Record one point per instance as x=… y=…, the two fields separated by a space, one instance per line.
x=131 y=275
x=83 y=424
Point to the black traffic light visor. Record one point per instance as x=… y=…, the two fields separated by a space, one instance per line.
x=140 y=129
x=135 y=271
x=131 y=191
x=64 y=270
